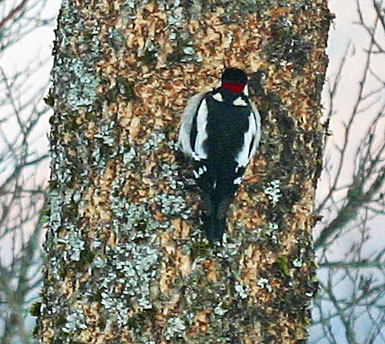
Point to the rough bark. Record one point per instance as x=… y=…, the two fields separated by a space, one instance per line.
x=126 y=260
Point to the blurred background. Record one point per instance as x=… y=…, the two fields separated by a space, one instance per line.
x=350 y=238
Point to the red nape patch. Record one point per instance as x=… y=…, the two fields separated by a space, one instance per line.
x=237 y=88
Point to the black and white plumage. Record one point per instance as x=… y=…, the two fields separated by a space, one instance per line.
x=220 y=132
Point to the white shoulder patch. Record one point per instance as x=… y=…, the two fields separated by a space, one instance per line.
x=239 y=102
x=218 y=97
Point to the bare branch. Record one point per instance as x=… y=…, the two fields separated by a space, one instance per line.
x=13 y=13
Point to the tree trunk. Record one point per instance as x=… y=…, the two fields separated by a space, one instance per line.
x=126 y=259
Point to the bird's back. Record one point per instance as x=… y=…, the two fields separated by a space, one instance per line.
x=226 y=126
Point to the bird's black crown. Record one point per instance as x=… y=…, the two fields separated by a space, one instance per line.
x=234 y=76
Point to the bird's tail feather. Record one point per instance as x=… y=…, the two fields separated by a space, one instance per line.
x=214 y=221
x=214 y=228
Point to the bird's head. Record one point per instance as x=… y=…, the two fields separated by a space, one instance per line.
x=234 y=79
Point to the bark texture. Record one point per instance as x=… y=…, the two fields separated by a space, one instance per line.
x=126 y=261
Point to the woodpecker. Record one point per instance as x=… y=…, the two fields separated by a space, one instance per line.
x=220 y=132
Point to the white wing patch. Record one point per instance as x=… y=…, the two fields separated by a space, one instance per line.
x=189 y=114
x=243 y=156
x=238 y=180
x=199 y=151
x=257 y=134
x=201 y=170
